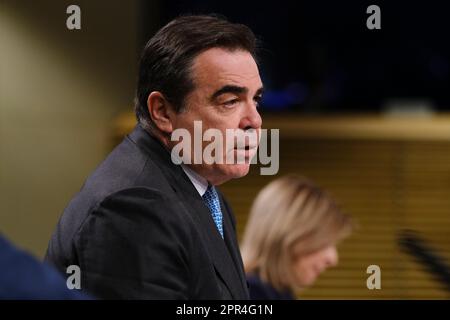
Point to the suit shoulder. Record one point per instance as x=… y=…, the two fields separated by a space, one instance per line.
x=142 y=209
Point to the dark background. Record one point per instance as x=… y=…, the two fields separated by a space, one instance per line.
x=319 y=56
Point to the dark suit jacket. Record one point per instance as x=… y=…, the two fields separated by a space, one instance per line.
x=23 y=277
x=138 y=229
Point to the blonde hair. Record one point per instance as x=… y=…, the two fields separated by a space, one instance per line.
x=289 y=214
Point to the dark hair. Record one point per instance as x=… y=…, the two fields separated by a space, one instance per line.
x=168 y=56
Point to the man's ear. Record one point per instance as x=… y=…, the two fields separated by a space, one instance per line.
x=160 y=111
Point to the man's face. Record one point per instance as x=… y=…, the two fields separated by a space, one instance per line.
x=227 y=90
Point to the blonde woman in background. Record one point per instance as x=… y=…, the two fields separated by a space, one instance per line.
x=291 y=237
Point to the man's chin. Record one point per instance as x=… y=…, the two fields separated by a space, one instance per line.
x=239 y=170
x=233 y=171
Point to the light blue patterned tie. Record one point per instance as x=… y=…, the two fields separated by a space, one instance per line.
x=211 y=199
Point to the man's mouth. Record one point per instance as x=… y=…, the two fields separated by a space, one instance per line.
x=247 y=147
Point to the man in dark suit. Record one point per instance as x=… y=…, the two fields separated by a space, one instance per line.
x=144 y=227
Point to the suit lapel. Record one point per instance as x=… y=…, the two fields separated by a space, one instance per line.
x=232 y=244
x=216 y=246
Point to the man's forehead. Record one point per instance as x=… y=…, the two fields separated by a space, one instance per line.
x=218 y=67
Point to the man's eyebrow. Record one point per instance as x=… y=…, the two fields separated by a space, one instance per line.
x=259 y=92
x=229 y=89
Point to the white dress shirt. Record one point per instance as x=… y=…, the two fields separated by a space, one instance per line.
x=200 y=183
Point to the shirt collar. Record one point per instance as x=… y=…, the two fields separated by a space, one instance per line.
x=200 y=183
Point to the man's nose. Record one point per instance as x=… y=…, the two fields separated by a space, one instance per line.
x=251 y=118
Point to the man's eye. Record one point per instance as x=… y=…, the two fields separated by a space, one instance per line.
x=230 y=102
